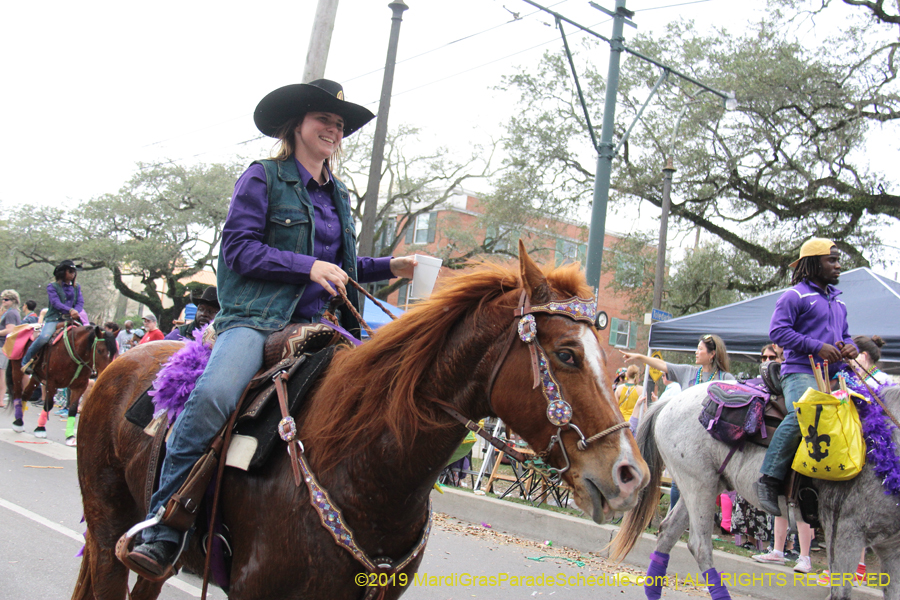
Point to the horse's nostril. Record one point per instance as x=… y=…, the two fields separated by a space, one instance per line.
x=625 y=474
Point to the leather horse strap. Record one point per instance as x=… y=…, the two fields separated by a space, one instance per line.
x=155 y=451
x=220 y=472
x=480 y=431
x=510 y=338
x=328 y=512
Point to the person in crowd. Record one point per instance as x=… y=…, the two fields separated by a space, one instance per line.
x=30 y=316
x=151 y=327
x=711 y=356
x=714 y=365
x=619 y=379
x=671 y=390
x=207 y=308
x=809 y=321
x=9 y=318
x=629 y=392
x=125 y=337
x=65 y=302
x=869 y=355
x=769 y=353
x=136 y=336
x=289 y=202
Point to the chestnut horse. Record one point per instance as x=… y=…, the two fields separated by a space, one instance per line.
x=376 y=438
x=69 y=363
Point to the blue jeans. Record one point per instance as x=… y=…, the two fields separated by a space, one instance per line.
x=235 y=359
x=786 y=438
x=46 y=333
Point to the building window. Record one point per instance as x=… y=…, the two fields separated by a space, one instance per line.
x=629 y=270
x=388 y=230
x=502 y=239
x=422 y=230
x=569 y=252
x=623 y=334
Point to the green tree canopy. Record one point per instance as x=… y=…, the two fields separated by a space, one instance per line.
x=164 y=225
x=788 y=164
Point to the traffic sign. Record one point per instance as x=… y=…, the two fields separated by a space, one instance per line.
x=660 y=315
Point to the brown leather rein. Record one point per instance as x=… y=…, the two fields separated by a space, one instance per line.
x=559 y=412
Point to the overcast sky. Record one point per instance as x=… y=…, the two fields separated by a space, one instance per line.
x=92 y=88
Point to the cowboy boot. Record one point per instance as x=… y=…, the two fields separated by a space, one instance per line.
x=767 y=491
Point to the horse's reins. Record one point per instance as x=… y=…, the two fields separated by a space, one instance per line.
x=77 y=359
x=353 y=310
x=559 y=412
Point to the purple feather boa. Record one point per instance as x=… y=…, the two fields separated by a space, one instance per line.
x=876 y=426
x=176 y=380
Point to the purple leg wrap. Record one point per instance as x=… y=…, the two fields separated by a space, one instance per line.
x=716 y=590
x=18 y=404
x=655 y=573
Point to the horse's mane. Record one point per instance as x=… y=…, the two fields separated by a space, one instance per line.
x=372 y=388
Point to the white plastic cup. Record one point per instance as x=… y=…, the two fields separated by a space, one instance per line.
x=425 y=275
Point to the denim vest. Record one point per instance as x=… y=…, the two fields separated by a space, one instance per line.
x=290 y=225
x=53 y=314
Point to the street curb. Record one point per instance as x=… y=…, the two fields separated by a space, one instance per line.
x=763 y=581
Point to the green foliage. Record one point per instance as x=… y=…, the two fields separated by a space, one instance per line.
x=789 y=164
x=165 y=224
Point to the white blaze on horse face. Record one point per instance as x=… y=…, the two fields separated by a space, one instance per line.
x=593 y=357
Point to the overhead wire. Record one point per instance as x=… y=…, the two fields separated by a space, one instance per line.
x=424 y=85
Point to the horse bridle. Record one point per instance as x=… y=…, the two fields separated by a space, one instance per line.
x=559 y=412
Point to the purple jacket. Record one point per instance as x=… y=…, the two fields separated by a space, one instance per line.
x=805 y=319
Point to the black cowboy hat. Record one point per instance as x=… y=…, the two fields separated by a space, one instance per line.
x=210 y=297
x=66 y=265
x=290 y=101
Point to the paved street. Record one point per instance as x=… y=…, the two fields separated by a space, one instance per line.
x=40 y=534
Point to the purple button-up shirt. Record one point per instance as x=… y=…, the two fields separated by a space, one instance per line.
x=245 y=252
x=72 y=300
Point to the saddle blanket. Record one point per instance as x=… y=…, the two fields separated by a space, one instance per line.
x=255 y=433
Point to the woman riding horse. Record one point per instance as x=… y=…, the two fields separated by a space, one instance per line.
x=288 y=243
x=378 y=428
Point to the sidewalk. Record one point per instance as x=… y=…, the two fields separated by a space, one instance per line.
x=760 y=581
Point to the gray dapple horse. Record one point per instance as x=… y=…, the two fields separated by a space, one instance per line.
x=854 y=514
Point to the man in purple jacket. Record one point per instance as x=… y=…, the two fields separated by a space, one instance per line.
x=808 y=320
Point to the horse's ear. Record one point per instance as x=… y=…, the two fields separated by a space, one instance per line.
x=532 y=278
x=99 y=332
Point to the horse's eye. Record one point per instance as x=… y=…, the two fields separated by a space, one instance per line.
x=566 y=357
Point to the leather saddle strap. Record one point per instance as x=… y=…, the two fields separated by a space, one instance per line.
x=287 y=429
x=155 y=452
x=479 y=431
x=225 y=434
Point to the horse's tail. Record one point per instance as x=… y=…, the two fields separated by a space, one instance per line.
x=84 y=587
x=636 y=520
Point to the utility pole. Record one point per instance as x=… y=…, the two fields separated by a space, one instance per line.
x=663 y=232
x=320 y=41
x=370 y=200
x=606 y=150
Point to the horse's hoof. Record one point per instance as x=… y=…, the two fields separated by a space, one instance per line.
x=70 y=441
x=40 y=432
x=18 y=426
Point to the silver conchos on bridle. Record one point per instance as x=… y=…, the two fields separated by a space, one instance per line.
x=559 y=412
